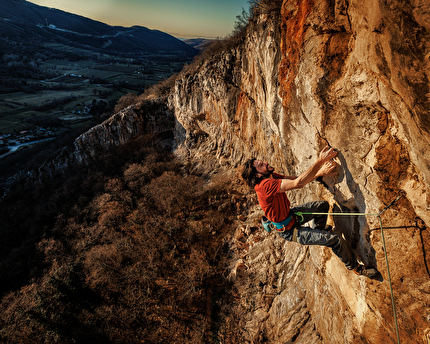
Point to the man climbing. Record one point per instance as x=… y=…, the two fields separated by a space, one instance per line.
x=271 y=188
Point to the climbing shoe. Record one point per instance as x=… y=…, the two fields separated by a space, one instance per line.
x=363 y=270
x=328 y=228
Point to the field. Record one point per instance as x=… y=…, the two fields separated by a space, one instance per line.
x=68 y=89
x=46 y=102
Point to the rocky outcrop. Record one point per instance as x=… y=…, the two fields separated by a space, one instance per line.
x=354 y=75
x=150 y=119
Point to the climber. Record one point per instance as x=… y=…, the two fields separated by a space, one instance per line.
x=271 y=188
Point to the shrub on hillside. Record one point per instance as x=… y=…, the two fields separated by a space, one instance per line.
x=160 y=89
x=126 y=251
x=217 y=47
x=125 y=101
x=265 y=6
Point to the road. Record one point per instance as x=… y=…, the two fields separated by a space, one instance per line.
x=15 y=145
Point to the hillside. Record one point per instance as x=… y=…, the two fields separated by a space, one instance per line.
x=199 y=43
x=22 y=20
x=173 y=246
x=61 y=73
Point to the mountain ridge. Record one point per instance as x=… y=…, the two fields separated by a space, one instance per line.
x=24 y=19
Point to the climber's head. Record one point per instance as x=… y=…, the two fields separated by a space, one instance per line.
x=255 y=171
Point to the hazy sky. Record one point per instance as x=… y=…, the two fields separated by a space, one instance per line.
x=180 y=18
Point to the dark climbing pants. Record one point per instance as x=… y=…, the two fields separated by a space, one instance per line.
x=316 y=235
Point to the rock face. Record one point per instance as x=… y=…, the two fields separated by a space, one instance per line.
x=350 y=74
x=150 y=119
x=354 y=75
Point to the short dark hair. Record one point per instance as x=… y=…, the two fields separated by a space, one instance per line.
x=249 y=173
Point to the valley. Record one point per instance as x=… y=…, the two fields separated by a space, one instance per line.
x=67 y=90
x=67 y=73
x=73 y=95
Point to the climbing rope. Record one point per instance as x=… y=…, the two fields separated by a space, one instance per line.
x=389 y=279
x=300 y=215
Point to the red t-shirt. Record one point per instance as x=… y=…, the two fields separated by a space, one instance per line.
x=275 y=204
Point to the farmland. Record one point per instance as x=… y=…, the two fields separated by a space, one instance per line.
x=46 y=102
x=52 y=74
x=59 y=80
x=71 y=94
x=70 y=86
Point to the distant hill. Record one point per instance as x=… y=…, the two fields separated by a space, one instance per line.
x=199 y=43
x=22 y=21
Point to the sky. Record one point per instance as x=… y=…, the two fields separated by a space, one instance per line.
x=180 y=18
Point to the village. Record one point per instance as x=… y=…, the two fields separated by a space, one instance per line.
x=11 y=143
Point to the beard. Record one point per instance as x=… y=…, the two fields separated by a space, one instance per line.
x=269 y=171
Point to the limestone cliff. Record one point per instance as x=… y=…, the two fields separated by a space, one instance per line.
x=151 y=119
x=351 y=74
x=354 y=75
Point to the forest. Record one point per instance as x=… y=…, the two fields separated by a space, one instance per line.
x=133 y=250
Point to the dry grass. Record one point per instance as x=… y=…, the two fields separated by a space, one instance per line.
x=128 y=249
